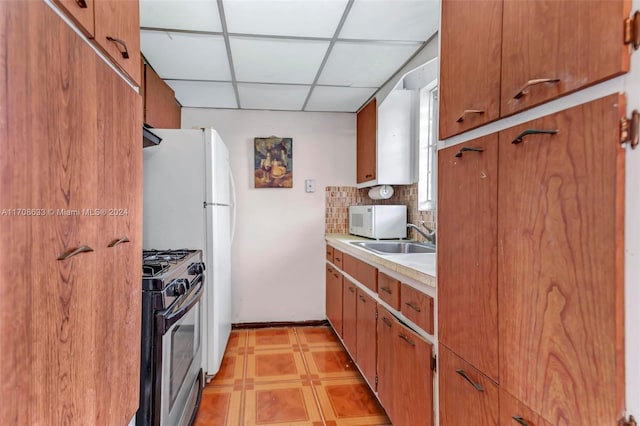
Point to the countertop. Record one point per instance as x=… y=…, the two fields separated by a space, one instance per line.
x=419 y=266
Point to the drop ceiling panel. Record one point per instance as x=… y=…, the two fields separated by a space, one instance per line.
x=362 y=64
x=339 y=99
x=205 y=94
x=272 y=96
x=408 y=20
x=186 y=56
x=201 y=15
x=276 y=61
x=300 y=18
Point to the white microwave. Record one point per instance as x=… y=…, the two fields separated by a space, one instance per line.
x=379 y=222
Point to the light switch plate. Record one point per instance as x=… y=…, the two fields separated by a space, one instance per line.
x=310 y=185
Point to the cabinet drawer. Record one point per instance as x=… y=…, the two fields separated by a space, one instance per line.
x=330 y=254
x=389 y=290
x=515 y=413
x=418 y=307
x=363 y=272
x=338 y=258
x=467 y=397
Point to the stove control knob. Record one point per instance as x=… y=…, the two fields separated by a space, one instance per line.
x=196 y=268
x=178 y=288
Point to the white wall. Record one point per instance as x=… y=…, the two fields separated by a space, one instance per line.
x=278 y=253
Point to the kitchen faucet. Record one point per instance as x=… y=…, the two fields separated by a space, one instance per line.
x=430 y=235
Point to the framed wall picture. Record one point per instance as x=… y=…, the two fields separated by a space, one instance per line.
x=273 y=162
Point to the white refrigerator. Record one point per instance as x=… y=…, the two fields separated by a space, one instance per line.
x=189 y=203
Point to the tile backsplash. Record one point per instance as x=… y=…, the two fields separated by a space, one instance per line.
x=339 y=198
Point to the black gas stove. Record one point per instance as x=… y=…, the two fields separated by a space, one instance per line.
x=171 y=376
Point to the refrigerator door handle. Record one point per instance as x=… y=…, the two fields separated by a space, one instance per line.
x=233 y=205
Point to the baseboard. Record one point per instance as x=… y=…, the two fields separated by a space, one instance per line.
x=313 y=323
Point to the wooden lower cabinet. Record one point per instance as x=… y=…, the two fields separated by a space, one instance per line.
x=334 y=298
x=349 y=324
x=417 y=307
x=366 y=336
x=467 y=397
x=389 y=290
x=386 y=334
x=515 y=413
x=361 y=271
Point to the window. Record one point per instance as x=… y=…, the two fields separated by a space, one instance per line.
x=428 y=146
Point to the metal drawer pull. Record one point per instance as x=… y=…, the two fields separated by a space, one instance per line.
x=336 y=275
x=337 y=259
x=362 y=299
x=523 y=90
x=412 y=306
x=386 y=321
x=478 y=386
x=73 y=252
x=368 y=176
x=82 y=4
x=118 y=241
x=467 y=149
x=518 y=139
x=352 y=289
x=520 y=420
x=386 y=290
x=406 y=339
x=469 y=111
x=125 y=52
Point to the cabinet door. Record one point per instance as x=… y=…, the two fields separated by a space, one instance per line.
x=334 y=299
x=467 y=252
x=467 y=397
x=366 y=312
x=389 y=290
x=561 y=206
x=366 y=143
x=413 y=392
x=555 y=39
x=418 y=307
x=81 y=12
x=386 y=376
x=160 y=107
x=469 y=64
x=117 y=31
x=349 y=299
x=329 y=253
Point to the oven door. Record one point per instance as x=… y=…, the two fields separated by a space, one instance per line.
x=180 y=328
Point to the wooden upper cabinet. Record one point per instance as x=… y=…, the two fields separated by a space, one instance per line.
x=117 y=32
x=467 y=251
x=366 y=143
x=574 y=44
x=469 y=65
x=160 y=107
x=561 y=225
x=467 y=397
x=81 y=12
x=366 y=336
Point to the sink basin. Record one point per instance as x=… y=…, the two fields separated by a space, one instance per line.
x=395 y=247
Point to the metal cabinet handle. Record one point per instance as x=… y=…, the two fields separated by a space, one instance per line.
x=406 y=339
x=337 y=259
x=386 y=321
x=478 y=386
x=118 y=241
x=520 y=420
x=523 y=90
x=368 y=176
x=412 y=306
x=72 y=252
x=125 y=52
x=362 y=299
x=336 y=275
x=518 y=139
x=330 y=270
x=469 y=111
x=352 y=289
x=386 y=290
x=468 y=149
x=82 y=4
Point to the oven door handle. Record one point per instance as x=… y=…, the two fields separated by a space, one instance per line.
x=166 y=319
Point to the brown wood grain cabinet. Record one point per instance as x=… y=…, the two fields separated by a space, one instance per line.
x=366 y=336
x=385 y=354
x=160 y=107
x=417 y=307
x=363 y=272
x=349 y=319
x=560 y=233
x=366 y=130
x=71 y=346
x=329 y=253
x=515 y=413
x=80 y=12
x=338 y=258
x=467 y=252
x=334 y=298
x=469 y=65
x=467 y=397
x=389 y=290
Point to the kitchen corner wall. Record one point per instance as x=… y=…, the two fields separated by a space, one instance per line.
x=278 y=251
x=339 y=198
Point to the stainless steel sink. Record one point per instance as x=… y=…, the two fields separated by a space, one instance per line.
x=395 y=247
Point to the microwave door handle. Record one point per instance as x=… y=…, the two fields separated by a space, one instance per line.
x=168 y=318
